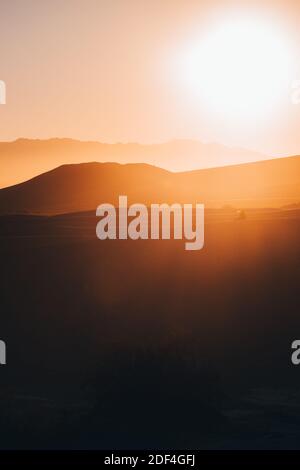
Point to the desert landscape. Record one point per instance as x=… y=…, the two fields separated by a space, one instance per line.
x=130 y=326
x=134 y=344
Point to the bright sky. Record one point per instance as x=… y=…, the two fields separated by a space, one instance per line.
x=152 y=70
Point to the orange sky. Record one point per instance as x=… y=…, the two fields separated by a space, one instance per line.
x=110 y=71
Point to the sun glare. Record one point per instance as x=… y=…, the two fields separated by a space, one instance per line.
x=240 y=68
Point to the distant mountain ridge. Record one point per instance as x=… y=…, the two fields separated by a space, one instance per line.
x=25 y=158
x=82 y=187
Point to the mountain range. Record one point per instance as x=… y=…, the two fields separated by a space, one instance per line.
x=24 y=158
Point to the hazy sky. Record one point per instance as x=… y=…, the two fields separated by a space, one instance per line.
x=113 y=71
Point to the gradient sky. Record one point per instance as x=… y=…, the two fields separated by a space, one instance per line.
x=108 y=70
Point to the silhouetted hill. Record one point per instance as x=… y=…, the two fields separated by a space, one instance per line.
x=25 y=158
x=81 y=187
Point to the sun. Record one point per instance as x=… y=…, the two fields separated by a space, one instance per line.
x=240 y=69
